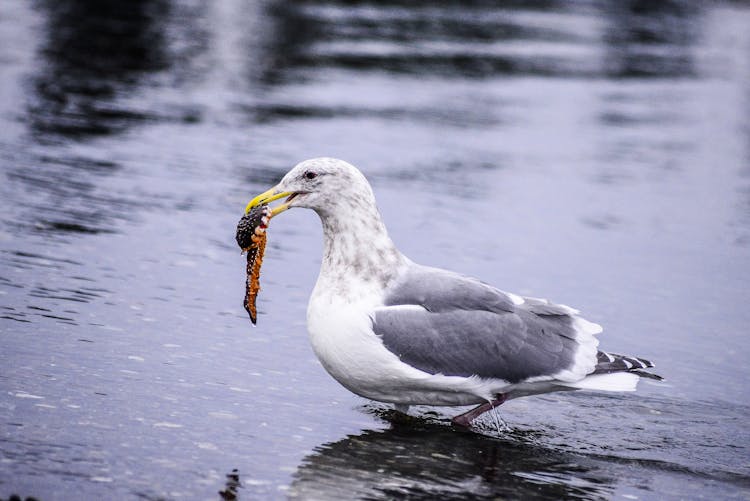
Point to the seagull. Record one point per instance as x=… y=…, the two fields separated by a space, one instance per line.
x=392 y=330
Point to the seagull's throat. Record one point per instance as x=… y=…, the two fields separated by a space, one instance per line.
x=358 y=255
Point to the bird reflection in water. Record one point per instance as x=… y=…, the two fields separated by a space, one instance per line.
x=426 y=460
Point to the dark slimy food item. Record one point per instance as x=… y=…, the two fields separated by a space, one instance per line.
x=251 y=237
x=256 y=218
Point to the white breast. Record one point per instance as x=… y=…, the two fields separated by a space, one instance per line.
x=343 y=340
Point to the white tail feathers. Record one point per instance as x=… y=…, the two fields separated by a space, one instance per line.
x=616 y=381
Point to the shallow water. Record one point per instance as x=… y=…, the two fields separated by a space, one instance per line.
x=595 y=153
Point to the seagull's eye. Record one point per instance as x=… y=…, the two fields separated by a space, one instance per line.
x=310 y=175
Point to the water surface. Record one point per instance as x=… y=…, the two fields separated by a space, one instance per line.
x=592 y=152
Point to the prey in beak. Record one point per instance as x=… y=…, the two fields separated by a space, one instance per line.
x=251 y=237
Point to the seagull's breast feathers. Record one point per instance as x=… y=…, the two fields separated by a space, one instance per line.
x=342 y=337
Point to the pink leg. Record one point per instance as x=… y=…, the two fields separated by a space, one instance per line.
x=466 y=418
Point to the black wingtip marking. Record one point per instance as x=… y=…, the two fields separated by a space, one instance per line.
x=647 y=375
x=613 y=362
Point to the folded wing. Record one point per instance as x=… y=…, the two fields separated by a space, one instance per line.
x=444 y=323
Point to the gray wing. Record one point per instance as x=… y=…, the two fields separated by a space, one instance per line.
x=444 y=323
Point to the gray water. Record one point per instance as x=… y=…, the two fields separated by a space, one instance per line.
x=596 y=153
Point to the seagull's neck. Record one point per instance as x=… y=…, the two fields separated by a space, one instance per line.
x=359 y=258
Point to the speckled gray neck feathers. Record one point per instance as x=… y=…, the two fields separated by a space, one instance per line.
x=359 y=259
x=356 y=247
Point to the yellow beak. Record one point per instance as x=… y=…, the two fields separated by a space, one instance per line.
x=267 y=197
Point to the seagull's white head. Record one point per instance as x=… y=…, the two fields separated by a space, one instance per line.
x=326 y=185
x=359 y=258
